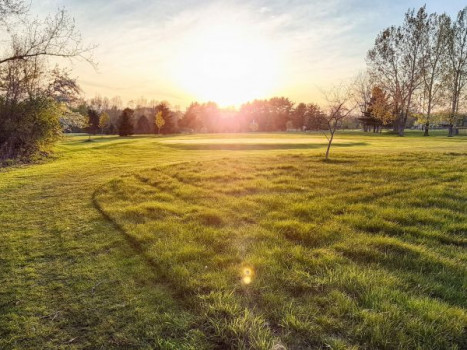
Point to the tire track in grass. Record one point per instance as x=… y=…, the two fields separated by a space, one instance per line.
x=213 y=320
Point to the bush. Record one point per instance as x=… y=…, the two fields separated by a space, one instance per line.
x=28 y=128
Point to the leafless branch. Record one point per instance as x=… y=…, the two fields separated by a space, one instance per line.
x=56 y=36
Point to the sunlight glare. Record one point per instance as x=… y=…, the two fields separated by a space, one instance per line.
x=227 y=63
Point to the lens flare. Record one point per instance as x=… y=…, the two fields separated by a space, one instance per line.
x=247 y=275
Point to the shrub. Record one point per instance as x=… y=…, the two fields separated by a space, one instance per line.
x=28 y=128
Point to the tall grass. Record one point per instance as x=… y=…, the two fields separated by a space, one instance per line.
x=355 y=253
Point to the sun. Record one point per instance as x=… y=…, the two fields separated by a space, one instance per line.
x=227 y=63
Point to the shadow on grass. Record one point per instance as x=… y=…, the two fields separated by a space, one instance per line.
x=104 y=143
x=405 y=260
x=333 y=160
x=257 y=146
x=134 y=244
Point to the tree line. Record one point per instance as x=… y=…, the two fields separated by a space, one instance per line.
x=108 y=116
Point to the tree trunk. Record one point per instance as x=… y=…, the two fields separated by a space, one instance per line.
x=401 y=128
x=395 y=125
x=329 y=145
x=427 y=126
x=427 y=123
x=455 y=104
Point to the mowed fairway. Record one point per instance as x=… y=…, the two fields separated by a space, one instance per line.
x=237 y=242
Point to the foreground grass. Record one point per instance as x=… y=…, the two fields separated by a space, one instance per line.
x=150 y=243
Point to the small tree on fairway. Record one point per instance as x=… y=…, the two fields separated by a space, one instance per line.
x=104 y=120
x=125 y=126
x=338 y=108
x=159 y=121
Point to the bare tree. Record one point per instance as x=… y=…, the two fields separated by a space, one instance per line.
x=435 y=45
x=457 y=72
x=62 y=87
x=56 y=36
x=362 y=87
x=11 y=7
x=413 y=42
x=338 y=107
x=384 y=63
x=395 y=63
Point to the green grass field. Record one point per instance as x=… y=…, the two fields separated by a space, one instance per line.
x=245 y=241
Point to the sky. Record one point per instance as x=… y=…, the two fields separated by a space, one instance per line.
x=229 y=52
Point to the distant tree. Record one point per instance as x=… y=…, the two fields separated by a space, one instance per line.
x=191 y=119
x=74 y=117
x=258 y=111
x=104 y=120
x=271 y=115
x=112 y=129
x=210 y=116
x=298 y=116
x=315 y=118
x=167 y=116
x=93 y=122
x=380 y=106
x=253 y=126
x=125 y=125
x=159 y=121
x=116 y=102
x=339 y=106
x=280 y=109
x=378 y=111
x=99 y=104
x=175 y=118
x=72 y=120
x=142 y=126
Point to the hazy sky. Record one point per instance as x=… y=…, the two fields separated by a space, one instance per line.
x=228 y=51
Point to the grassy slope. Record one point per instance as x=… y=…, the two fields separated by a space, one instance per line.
x=368 y=250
